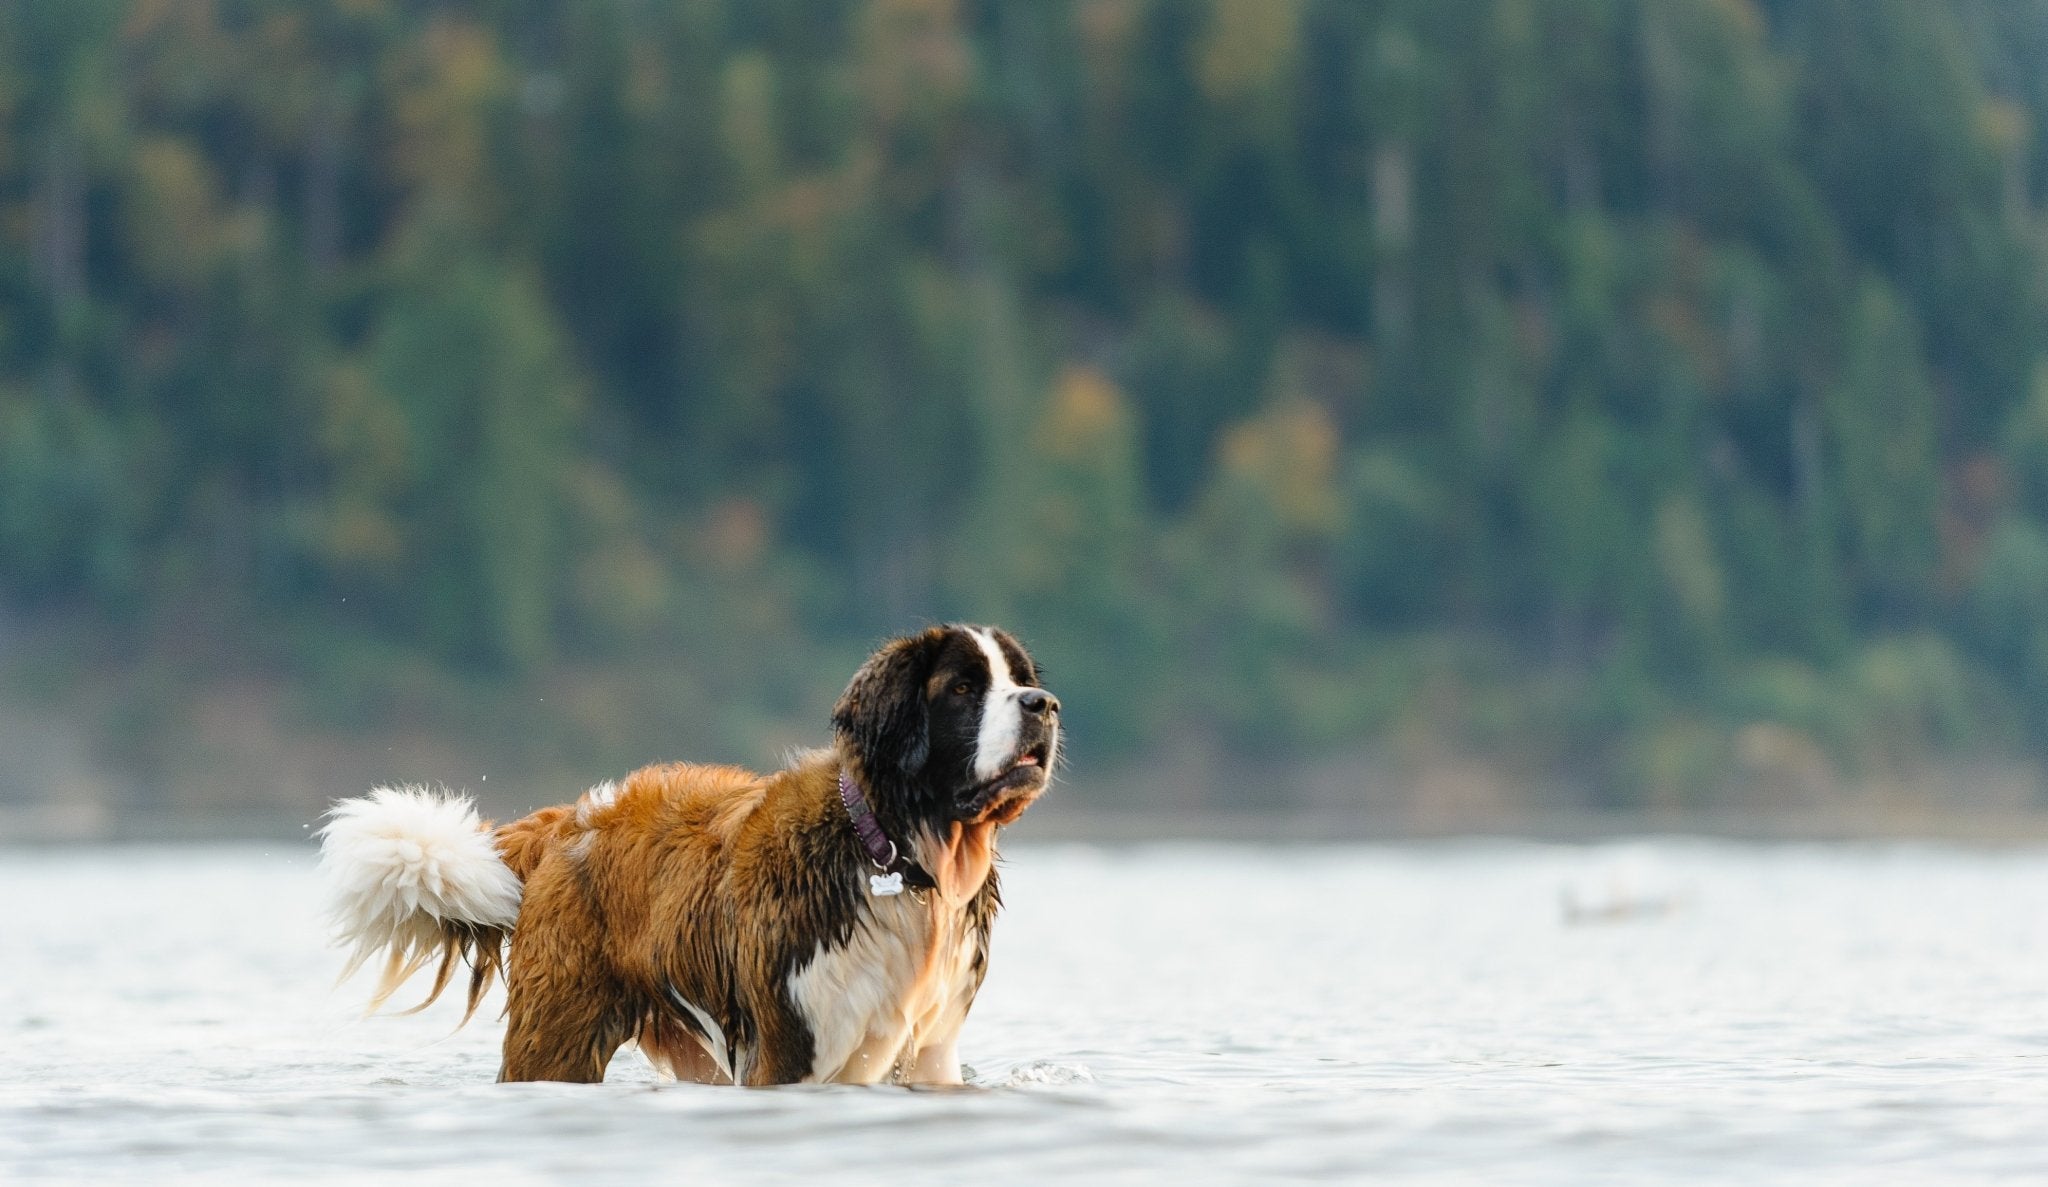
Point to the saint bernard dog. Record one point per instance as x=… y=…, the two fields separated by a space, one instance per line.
x=826 y=923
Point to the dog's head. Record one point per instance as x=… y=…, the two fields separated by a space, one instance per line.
x=951 y=724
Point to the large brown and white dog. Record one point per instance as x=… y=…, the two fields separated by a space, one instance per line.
x=828 y=922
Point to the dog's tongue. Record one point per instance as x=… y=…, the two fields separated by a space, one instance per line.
x=1027 y=760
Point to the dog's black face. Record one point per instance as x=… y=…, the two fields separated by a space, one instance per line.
x=951 y=725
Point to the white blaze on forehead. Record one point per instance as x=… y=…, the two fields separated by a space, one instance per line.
x=1002 y=719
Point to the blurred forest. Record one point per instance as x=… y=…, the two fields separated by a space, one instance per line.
x=1645 y=401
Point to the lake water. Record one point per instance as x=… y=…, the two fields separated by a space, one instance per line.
x=1433 y=1013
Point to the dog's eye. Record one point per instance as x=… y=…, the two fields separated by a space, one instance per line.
x=962 y=689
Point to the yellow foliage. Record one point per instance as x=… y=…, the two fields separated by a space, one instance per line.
x=1087 y=413
x=1249 y=45
x=180 y=225
x=1289 y=455
x=443 y=101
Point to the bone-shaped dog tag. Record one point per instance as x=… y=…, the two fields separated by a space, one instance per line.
x=884 y=885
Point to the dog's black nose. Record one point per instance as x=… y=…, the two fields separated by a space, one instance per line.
x=1037 y=700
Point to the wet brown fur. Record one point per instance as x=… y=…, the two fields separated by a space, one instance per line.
x=711 y=879
x=713 y=884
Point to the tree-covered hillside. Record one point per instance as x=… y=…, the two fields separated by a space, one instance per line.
x=1646 y=390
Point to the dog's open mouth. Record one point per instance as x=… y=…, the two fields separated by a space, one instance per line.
x=1005 y=797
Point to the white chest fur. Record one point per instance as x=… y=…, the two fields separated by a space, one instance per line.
x=889 y=1002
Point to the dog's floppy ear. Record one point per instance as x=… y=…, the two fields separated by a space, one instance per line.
x=883 y=714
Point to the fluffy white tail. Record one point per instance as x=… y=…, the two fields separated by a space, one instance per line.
x=417 y=876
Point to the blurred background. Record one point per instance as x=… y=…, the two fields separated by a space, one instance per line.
x=1398 y=415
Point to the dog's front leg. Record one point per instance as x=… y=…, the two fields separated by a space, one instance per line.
x=778 y=1062
x=783 y=1051
x=935 y=1063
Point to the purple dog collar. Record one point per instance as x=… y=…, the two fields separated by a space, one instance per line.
x=896 y=870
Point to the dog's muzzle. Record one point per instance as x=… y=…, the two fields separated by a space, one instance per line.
x=1024 y=779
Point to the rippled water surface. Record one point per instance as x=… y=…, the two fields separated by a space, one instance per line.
x=1504 y=1013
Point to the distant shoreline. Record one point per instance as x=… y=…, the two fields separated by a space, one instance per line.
x=1561 y=827
x=49 y=825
